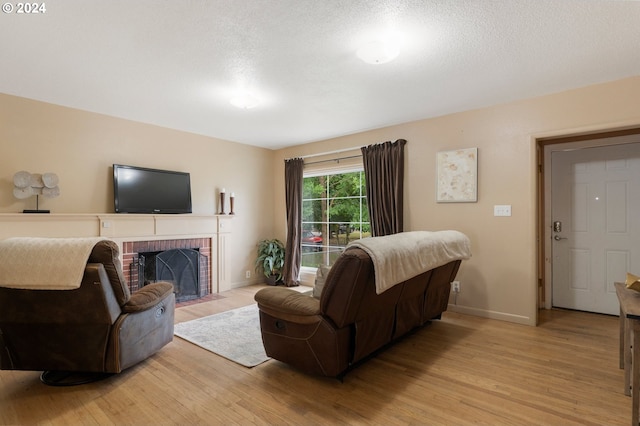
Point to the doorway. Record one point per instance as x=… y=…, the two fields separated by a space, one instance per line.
x=589 y=191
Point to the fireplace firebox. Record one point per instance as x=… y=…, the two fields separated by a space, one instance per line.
x=184 y=263
x=180 y=267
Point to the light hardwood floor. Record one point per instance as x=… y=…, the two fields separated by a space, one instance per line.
x=461 y=370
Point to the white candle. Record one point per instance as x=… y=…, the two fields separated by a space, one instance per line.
x=233 y=194
x=222 y=190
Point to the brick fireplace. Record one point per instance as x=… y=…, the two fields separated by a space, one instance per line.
x=131 y=251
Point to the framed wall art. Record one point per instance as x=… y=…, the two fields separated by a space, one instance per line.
x=457 y=176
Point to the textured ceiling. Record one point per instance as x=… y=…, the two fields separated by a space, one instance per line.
x=176 y=63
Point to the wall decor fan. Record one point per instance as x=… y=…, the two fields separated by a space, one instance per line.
x=29 y=184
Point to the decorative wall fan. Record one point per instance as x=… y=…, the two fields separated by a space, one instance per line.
x=28 y=184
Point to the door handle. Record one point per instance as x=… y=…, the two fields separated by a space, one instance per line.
x=558 y=238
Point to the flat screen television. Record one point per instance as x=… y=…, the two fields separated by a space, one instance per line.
x=143 y=190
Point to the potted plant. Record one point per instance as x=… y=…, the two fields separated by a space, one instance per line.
x=271 y=260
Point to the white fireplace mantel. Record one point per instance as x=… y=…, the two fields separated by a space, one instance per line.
x=129 y=227
x=110 y=225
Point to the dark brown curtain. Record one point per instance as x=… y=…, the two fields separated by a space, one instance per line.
x=293 y=173
x=384 y=172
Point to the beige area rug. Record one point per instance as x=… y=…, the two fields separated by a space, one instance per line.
x=234 y=335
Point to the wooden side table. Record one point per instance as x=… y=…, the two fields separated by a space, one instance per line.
x=630 y=345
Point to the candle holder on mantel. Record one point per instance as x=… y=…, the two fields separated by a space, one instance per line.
x=231 y=200
x=222 y=194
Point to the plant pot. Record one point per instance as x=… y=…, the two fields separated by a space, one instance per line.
x=272 y=280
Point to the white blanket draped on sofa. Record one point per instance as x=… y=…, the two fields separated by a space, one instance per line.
x=398 y=257
x=44 y=263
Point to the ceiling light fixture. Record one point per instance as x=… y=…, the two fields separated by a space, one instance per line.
x=244 y=101
x=377 y=52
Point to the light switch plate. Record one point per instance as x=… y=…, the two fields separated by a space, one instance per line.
x=502 y=210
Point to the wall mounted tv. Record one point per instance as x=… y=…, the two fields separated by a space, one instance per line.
x=142 y=190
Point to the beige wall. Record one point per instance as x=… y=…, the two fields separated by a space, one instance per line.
x=500 y=281
x=81 y=147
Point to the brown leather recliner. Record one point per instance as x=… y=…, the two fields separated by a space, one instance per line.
x=99 y=327
x=350 y=321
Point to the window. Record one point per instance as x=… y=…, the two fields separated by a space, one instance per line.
x=334 y=212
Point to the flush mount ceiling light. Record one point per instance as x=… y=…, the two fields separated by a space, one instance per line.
x=244 y=101
x=377 y=52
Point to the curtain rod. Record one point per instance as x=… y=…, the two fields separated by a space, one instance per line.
x=336 y=151
x=320 y=154
x=333 y=159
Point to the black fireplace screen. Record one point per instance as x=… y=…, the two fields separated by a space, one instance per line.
x=181 y=267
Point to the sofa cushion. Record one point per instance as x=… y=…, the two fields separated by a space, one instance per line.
x=321 y=277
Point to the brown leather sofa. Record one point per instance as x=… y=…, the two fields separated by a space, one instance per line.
x=99 y=327
x=350 y=321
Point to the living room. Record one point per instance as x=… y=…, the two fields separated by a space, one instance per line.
x=502 y=279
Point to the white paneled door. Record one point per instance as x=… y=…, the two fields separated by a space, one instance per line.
x=595 y=225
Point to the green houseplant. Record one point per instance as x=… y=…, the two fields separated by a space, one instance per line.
x=271 y=260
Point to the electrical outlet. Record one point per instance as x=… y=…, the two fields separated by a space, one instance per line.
x=247 y=274
x=455 y=286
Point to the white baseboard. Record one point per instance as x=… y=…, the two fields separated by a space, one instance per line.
x=502 y=316
x=307 y=285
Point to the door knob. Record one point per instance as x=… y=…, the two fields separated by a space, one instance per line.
x=558 y=238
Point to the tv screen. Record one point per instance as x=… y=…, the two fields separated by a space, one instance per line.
x=142 y=190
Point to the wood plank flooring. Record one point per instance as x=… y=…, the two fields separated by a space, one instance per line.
x=461 y=370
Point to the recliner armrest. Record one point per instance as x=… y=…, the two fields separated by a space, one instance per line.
x=287 y=301
x=148 y=297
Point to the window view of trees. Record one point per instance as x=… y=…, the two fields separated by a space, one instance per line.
x=334 y=212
